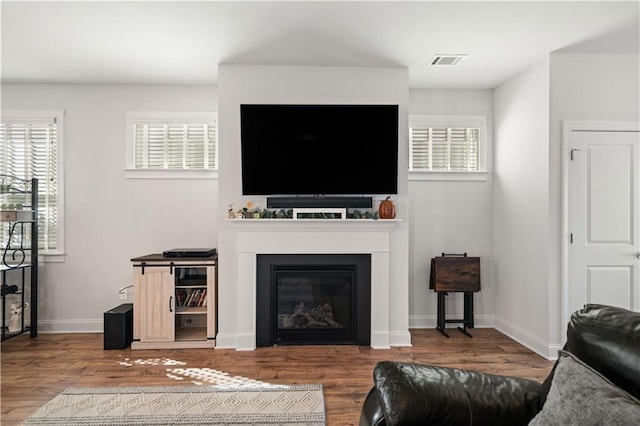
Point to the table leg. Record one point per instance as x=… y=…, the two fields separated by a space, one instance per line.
x=441 y=313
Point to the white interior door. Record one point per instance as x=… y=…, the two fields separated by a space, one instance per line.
x=604 y=219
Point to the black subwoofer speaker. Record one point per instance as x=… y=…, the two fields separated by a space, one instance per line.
x=118 y=327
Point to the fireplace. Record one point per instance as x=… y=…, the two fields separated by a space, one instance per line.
x=247 y=239
x=313 y=299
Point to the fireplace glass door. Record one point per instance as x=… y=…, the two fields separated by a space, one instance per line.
x=314 y=305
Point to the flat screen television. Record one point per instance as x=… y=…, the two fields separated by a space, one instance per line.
x=319 y=149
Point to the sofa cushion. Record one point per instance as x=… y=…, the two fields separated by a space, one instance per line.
x=607 y=338
x=579 y=395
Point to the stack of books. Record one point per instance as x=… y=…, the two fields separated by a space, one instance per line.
x=191 y=297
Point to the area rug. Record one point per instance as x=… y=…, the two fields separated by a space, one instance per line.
x=290 y=405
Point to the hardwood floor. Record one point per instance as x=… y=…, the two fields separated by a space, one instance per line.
x=35 y=370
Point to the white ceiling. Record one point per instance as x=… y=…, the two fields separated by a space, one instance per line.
x=173 y=42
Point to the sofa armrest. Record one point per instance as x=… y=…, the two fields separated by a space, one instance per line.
x=607 y=338
x=372 y=414
x=422 y=394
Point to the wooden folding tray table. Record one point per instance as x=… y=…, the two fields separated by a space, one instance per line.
x=455 y=273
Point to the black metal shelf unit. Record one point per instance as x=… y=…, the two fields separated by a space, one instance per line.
x=19 y=265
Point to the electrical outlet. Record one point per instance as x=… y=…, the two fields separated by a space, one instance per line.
x=124 y=295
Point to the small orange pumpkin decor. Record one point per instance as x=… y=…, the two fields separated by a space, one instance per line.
x=387 y=209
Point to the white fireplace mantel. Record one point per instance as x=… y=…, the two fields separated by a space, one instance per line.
x=310 y=236
x=313 y=224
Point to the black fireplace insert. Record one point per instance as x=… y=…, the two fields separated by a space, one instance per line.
x=307 y=299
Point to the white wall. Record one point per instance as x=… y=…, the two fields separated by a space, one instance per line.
x=110 y=219
x=583 y=87
x=521 y=206
x=450 y=216
x=299 y=84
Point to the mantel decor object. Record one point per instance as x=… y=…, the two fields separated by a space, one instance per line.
x=387 y=209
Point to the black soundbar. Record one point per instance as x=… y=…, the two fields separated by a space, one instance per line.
x=319 y=202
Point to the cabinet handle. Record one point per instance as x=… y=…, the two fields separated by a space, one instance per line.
x=170 y=303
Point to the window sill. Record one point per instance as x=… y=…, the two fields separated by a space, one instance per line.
x=52 y=257
x=449 y=176
x=170 y=174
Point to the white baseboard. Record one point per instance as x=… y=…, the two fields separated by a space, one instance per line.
x=400 y=339
x=430 y=321
x=246 y=341
x=380 y=340
x=226 y=341
x=71 y=326
x=539 y=346
x=553 y=351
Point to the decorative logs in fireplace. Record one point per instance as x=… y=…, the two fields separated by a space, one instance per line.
x=310 y=317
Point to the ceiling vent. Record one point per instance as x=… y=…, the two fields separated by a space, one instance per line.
x=446 y=60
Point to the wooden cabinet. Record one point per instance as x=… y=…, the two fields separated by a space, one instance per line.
x=174 y=302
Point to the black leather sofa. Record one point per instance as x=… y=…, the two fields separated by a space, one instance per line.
x=603 y=341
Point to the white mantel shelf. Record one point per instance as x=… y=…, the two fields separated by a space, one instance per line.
x=323 y=225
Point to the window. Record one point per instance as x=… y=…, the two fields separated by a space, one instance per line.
x=446 y=147
x=31 y=147
x=162 y=144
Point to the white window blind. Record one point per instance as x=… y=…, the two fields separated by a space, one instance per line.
x=437 y=149
x=175 y=146
x=29 y=149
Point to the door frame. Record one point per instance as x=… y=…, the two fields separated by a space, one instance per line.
x=569 y=126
